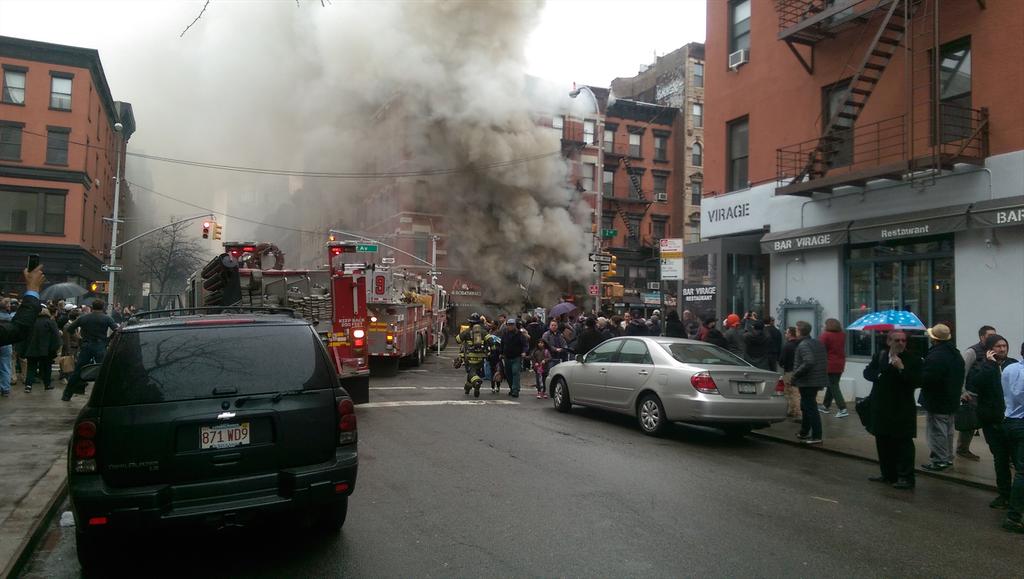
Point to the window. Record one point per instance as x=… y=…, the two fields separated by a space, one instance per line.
x=634 y=145
x=696 y=190
x=608 y=186
x=588 y=132
x=955 y=90
x=636 y=175
x=10 y=140
x=698 y=75
x=607 y=220
x=587 y=178
x=660 y=184
x=698 y=153
x=634 y=226
x=14 y=86
x=57 y=145
x=658 y=228
x=698 y=115
x=60 y=92
x=738 y=152
x=634 y=352
x=660 y=147
x=557 y=124
x=704 y=355
x=421 y=248
x=609 y=140
x=833 y=99
x=29 y=210
x=739 y=25
x=604 y=353
x=912 y=275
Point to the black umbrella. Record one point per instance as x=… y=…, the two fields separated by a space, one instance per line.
x=63 y=291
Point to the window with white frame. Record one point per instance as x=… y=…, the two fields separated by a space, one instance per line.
x=60 y=93
x=14 y=86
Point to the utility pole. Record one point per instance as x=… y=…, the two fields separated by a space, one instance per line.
x=118 y=127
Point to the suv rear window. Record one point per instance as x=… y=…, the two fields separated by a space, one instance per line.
x=704 y=355
x=185 y=364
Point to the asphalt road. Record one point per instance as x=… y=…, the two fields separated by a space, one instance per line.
x=516 y=489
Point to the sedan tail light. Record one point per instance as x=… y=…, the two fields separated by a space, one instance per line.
x=83 y=447
x=703 y=382
x=780 y=388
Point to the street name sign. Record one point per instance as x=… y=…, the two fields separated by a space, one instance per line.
x=671 y=259
x=609 y=233
x=365 y=248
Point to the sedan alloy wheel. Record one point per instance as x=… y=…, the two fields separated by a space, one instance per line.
x=651 y=415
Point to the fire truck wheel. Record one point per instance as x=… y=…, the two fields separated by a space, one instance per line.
x=444 y=340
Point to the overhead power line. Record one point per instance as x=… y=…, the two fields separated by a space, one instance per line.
x=323 y=174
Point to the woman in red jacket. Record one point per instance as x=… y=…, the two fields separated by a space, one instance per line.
x=835 y=346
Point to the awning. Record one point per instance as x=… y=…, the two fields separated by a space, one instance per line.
x=904 y=225
x=1004 y=212
x=806 y=238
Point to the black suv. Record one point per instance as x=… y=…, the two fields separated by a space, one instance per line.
x=214 y=420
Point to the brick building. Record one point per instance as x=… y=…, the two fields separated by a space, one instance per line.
x=864 y=156
x=58 y=148
x=677 y=80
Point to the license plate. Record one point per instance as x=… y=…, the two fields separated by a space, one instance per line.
x=224 y=435
x=747 y=387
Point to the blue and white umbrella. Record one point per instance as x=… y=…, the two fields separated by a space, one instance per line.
x=888 y=320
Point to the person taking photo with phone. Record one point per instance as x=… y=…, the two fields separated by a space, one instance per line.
x=18 y=328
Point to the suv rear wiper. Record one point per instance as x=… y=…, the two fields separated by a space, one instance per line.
x=276 y=397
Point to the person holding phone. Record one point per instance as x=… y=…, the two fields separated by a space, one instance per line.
x=985 y=384
x=18 y=328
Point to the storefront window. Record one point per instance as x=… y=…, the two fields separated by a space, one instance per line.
x=915 y=276
x=748 y=284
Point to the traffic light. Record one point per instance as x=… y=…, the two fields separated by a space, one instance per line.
x=206 y=230
x=98 y=287
x=217 y=230
x=331 y=237
x=612 y=269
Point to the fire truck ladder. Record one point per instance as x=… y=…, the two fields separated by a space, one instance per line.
x=863 y=83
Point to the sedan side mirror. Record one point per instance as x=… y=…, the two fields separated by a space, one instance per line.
x=90 y=372
x=579 y=358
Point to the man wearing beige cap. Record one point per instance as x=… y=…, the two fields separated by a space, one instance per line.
x=940 y=395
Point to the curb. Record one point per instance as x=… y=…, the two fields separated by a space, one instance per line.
x=41 y=523
x=917 y=471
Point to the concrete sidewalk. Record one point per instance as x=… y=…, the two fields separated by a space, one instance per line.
x=34 y=433
x=847 y=436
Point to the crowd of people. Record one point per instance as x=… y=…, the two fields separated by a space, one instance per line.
x=37 y=333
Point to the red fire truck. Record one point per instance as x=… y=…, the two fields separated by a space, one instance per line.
x=404 y=324
x=333 y=300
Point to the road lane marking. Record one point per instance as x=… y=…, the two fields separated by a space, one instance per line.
x=434 y=403
x=393 y=387
x=824 y=499
x=443 y=387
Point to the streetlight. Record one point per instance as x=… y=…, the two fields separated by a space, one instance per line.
x=118 y=127
x=599 y=185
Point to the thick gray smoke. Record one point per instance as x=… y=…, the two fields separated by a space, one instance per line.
x=381 y=86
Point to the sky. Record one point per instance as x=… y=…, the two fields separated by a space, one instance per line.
x=578 y=41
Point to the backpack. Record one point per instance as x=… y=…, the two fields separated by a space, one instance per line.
x=477 y=338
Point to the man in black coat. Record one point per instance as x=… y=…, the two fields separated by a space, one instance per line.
x=19 y=327
x=895 y=374
x=940 y=395
x=589 y=338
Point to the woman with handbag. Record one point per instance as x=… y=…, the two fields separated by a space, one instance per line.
x=984 y=383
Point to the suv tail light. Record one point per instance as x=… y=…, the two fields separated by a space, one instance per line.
x=83 y=447
x=703 y=382
x=347 y=429
x=780 y=388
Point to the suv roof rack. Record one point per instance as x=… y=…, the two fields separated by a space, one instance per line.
x=176 y=312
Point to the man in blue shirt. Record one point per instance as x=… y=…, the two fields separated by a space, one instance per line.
x=1013 y=426
x=18 y=328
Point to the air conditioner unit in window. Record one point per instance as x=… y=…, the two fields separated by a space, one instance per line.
x=661 y=196
x=738 y=59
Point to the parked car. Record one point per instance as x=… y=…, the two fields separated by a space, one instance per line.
x=210 y=420
x=662 y=380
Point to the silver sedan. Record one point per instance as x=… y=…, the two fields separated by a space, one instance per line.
x=662 y=380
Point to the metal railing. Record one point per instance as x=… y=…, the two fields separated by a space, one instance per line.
x=887 y=144
x=824 y=12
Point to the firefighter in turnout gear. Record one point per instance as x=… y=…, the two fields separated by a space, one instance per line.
x=474 y=350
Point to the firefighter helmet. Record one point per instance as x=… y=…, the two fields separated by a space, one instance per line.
x=474 y=318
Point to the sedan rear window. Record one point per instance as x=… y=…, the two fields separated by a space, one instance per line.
x=704 y=355
x=175 y=364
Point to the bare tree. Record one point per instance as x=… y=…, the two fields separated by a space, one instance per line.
x=169 y=257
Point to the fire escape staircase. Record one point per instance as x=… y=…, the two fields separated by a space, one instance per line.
x=638 y=195
x=876 y=59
